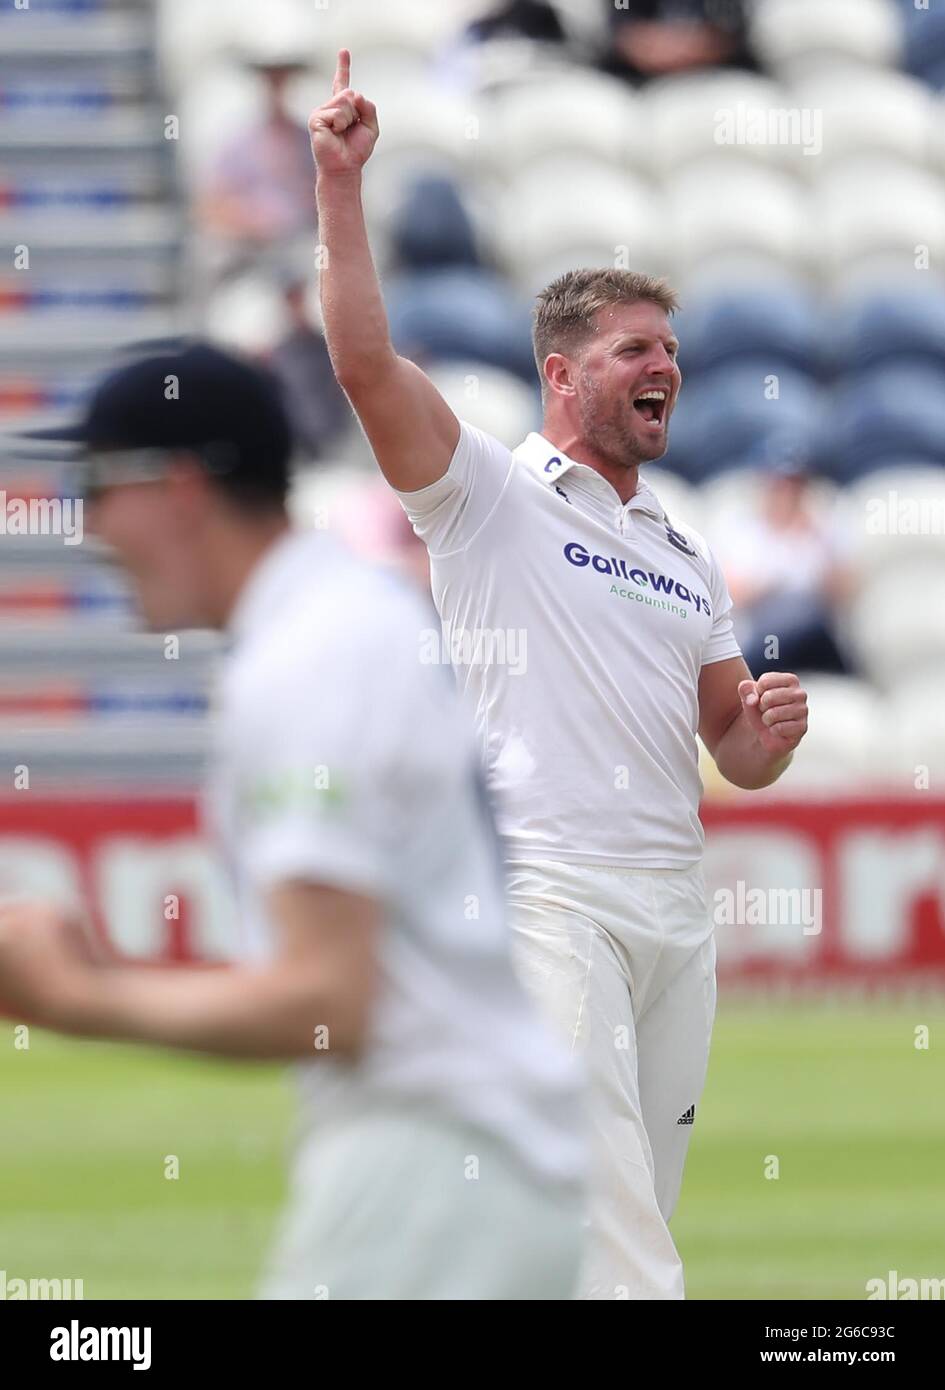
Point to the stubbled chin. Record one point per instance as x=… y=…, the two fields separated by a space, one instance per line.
x=654 y=444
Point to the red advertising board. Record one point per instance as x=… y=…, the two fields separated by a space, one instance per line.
x=799 y=891
x=829 y=889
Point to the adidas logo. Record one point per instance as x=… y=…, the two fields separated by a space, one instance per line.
x=688 y=1117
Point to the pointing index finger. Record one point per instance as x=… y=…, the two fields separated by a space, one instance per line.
x=342 y=77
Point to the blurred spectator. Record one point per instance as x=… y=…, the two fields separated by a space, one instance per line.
x=511 y=39
x=660 y=38
x=432 y=227
x=786 y=570
x=526 y=19
x=318 y=409
x=373 y=523
x=261 y=185
x=444 y=302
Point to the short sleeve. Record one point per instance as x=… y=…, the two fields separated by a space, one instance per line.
x=448 y=514
x=720 y=645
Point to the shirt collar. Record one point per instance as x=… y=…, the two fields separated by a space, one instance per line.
x=549 y=463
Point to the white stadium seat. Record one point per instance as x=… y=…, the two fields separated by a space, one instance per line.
x=490 y=399
x=247 y=314
x=732 y=493
x=878 y=210
x=735 y=207
x=893 y=623
x=916 y=729
x=191 y=32
x=938 y=121
x=866 y=112
x=894 y=514
x=691 y=118
x=414 y=144
x=595 y=117
x=583 y=22
x=411 y=26
x=787 y=33
x=844 y=746
x=382 y=73
x=938 y=134
x=562 y=214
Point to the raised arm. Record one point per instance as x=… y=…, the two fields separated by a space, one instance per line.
x=410 y=427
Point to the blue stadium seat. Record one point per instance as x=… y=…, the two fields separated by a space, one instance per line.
x=777 y=321
x=725 y=420
x=881 y=415
x=461 y=313
x=892 y=323
x=924 y=42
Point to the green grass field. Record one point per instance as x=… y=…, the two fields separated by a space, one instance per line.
x=839 y=1094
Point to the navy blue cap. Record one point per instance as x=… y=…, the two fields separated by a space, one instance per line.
x=225 y=410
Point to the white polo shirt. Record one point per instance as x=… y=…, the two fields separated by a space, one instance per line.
x=344 y=757
x=577 y=626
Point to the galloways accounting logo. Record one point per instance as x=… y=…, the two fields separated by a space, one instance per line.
x=649 y=585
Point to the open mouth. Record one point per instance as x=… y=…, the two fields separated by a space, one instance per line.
x=651 y=406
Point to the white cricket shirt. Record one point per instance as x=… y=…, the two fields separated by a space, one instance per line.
x=344 y=757
x=577 y=627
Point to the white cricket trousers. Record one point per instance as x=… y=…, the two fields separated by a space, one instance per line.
x=622 y=962
x=398 y=1203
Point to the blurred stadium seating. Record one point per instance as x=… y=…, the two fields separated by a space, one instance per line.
x=810 y=267
x=89 y=191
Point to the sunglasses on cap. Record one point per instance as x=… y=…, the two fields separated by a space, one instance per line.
x=98 y=469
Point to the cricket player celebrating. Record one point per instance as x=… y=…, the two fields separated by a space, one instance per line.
x=439 y=1151
x=591 y=750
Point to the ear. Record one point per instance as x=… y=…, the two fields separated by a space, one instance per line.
x=559 y=374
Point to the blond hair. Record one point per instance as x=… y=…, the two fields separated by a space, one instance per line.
x=565 y=309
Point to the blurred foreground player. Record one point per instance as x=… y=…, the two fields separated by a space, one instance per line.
x=439 y=1152
x=590 y=739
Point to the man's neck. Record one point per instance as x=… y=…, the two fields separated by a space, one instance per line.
x=238 y=557
x=623 y=478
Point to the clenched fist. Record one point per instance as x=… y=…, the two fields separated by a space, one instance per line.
x=776 y=709
x=344 y=129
